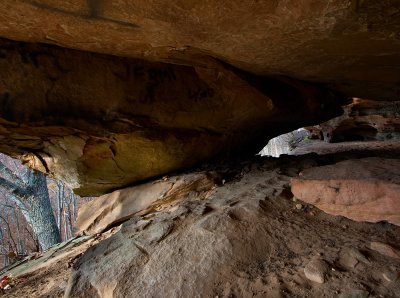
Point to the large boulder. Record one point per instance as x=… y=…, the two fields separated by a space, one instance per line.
x=365 y=189
x=102 y=122
x=349 y=45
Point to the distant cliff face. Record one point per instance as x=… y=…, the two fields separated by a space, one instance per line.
x=163 y=85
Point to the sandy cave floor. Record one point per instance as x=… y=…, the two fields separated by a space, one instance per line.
x=256 y=203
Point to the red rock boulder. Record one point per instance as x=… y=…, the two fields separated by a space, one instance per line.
x=366 y=189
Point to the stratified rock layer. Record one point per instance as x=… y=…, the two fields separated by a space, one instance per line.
x=350 y=45
x=116 y=207
x=362 y=189
x=363 y=120
x=101 y=122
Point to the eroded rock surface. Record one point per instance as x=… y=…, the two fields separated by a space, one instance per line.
x=363 y=120
x=248 y=240
x=114 y=208
x=365 y=189
x=244 y=238
x=102 y=122
x=350 y=45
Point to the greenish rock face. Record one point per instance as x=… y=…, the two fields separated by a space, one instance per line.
x=100 y=123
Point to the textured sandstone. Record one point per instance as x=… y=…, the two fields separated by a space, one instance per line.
x=107 y=210
x=385 y=249
x=363 y=120
x=350 y=45
x=366 y=189
x=240 y=239
x=101 y=122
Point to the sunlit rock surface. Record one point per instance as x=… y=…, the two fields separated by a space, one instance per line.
x=286 y=143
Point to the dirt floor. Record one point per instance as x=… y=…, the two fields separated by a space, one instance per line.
x=248 y=237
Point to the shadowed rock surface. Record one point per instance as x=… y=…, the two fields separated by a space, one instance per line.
x=102 y=122
x=199 y=79
x=107 y=94
x=349 y=45
x=363 y=120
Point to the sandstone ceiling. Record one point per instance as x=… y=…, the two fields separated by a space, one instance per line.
x=101 y=94
x=349 y=45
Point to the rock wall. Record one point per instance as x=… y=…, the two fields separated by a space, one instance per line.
x=101 y=122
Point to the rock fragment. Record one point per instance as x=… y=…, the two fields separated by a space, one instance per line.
x=385 y=249
x=349 y=258
x=316 y=270
x=390 y=274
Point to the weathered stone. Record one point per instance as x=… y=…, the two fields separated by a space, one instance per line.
x=349 y=258
x=354 y=293
x=363 y=120
x=385 y=249
x=119 y=206
x=350 y=45
x=102 y=122
x=316 y=270
x=365 y=189
x=249 y=243
x=390 y=274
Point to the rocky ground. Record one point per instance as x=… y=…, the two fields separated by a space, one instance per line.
x=244 y=235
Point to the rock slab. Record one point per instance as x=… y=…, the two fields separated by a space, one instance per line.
x=107 y=210
x=365 y=189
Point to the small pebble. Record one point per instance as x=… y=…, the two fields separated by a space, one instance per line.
x=299 y=206
x=390 y=275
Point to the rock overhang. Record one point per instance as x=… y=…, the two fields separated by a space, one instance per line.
x=349 y=45
x=195 y=84
x=101 y=122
